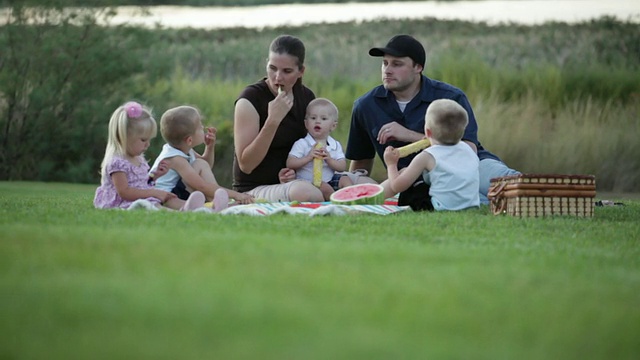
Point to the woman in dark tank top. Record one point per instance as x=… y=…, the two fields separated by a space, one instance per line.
x=268 y=119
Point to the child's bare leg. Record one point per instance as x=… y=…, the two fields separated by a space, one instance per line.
x=195 y=201
x=305 y=191
x=327 y=190
x=174 y=203
x=204 y=170
x=220 y=200
x=344 y=182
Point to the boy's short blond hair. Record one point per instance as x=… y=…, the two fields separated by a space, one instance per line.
x=178 y=123
x=447 y=121
x=319 y=102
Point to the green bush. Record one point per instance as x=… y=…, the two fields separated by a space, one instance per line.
x=60 y=80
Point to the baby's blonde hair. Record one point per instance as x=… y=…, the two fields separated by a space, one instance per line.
x=121 y=127
x=319 y=102
x=179 y=122
x=447 y=121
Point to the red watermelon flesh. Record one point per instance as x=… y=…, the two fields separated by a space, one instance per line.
x=360 y=194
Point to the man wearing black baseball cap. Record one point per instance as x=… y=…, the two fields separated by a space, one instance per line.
x=393 y=114
x=402 y=46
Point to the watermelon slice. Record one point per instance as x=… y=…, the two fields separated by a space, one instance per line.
x=360 y=194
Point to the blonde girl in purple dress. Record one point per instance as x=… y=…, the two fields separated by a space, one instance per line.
x=126 y=183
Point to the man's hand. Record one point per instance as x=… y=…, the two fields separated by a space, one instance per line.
x=395 y=131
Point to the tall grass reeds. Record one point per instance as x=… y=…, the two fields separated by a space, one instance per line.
x=553 y=97
x=537 y=121
x=549 y=98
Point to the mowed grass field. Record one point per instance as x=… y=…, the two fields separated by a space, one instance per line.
x=81 y=283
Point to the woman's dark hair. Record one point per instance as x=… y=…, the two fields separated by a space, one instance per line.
x=290 y=45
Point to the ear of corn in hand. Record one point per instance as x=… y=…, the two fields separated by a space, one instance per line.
x=413 y=147
x=317 y=166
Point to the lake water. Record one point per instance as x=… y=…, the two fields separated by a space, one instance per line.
x=527 y=12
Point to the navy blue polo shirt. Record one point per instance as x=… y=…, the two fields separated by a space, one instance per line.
x=378 y=107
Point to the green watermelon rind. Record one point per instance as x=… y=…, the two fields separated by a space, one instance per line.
x=376 y=198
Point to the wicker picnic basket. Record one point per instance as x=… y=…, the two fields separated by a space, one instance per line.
x=537 y=195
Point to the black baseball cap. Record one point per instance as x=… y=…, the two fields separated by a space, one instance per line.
x=401 y=46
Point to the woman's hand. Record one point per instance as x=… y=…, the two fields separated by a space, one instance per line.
x=285 y=175
x=280 y=106
x=242 y=198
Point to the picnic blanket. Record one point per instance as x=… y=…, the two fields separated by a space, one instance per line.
x=390 y=206
x=312 y=209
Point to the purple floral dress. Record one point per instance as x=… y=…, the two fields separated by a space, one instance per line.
x=137 y=175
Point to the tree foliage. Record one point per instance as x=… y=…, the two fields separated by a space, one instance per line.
x=61 y=75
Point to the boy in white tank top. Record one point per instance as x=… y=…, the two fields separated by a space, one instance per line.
x=182 y=129
x=449 y=166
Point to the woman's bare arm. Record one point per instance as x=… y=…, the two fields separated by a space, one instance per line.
x=251 y=142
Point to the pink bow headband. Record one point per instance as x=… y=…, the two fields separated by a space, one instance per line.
x=133 y=109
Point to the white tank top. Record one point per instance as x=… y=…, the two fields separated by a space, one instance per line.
x=455 y=180
x=169 y=180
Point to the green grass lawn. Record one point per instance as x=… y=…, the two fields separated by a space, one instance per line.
x=81 y=283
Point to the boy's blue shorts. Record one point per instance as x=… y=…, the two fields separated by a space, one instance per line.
x=181 y=190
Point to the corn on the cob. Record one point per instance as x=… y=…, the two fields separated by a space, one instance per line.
x=317 y=166
x=413 y=147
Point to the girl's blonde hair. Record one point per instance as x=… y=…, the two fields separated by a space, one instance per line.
x=130 y=119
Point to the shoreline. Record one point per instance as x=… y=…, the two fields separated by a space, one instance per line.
x=492 y=12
